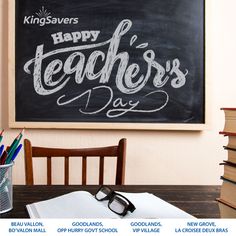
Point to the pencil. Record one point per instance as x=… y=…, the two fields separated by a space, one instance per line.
x=3 y=158
x=14 y=146
x=14 y=154
x=1 y=136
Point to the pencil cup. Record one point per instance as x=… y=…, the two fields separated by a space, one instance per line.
x=6 y=187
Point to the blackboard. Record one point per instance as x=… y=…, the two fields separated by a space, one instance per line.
x=108 y=61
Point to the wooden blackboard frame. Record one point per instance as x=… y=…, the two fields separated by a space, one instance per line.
x=91 y=125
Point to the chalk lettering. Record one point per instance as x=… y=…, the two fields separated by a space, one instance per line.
x=75 y=37
x=77 y=68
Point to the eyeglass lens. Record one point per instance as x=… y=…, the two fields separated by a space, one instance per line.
x=118 y=205
x=103 y=193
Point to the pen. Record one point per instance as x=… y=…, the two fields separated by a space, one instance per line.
x=1 y=136
x=14 y=154
x=1 y=150
x=13 y=146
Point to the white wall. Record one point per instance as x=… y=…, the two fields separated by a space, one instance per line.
x=155 y=157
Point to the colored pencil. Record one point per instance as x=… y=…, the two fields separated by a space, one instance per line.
x=13 y=147
x=1 y=135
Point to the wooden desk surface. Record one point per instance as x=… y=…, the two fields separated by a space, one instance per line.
x=198 y=201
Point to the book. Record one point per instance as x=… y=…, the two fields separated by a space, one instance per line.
x=231 y=154
x=229 y=170
x=231 y=139
x=228 y=191
x=82 y=204
x=226 y=210
x=230 y=119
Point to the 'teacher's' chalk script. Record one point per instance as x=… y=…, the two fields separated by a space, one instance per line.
x=128 y=79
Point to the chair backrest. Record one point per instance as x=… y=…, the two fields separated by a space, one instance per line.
x=118 y=151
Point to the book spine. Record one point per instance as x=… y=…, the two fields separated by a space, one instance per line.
x=227 y=133
x=226 y=203
x=229 y=148
x=227 y=180
x=228 y=108
x=228 y=163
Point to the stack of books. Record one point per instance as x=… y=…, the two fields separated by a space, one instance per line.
x=227 y=199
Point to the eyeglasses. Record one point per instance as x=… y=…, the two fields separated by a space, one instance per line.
x=116 y=202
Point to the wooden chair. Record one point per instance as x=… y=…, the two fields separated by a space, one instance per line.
x=118 y=151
